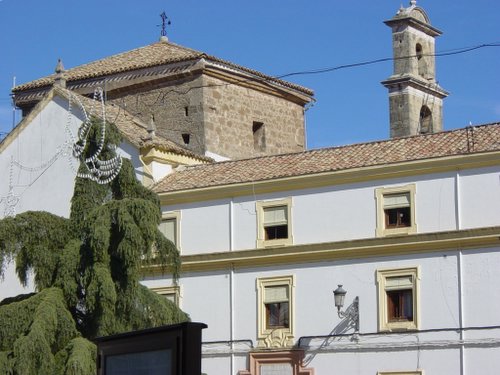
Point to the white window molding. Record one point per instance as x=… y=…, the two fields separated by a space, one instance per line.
x=272 y=292
x=274 y=223
x=170 y=226
x=389 y=201
x=173 y=293
x=399 y=299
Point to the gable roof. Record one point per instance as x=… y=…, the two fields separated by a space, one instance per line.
x=470 y=140
x=159 y=53
x=130 y=127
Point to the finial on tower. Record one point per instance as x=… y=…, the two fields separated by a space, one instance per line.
x=59 y=66
x=151 y=127
x=59 y=79
x=164 y=22
x=413 y=3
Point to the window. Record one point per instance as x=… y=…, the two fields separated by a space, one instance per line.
x=275 y=311
x=186 y=137
x=169 y=226
x=259 y=136
x=172 y=293
x=273 y=223
x=395 y=210
x=398 y=298
x=276 y=303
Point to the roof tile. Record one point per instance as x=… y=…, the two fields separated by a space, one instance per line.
x=468 y=140
x=159 y=53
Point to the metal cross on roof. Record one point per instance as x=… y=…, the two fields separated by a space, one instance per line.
x=164 y=22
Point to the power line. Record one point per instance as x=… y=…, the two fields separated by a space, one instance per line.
x=456 y=51
x=451 y=52
x=385 y=59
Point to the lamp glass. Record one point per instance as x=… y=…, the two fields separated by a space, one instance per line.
x=339 y=295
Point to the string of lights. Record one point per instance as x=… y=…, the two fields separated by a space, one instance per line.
x=100 y=171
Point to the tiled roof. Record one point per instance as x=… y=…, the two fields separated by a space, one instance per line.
x=155 y=54
x=131 y=128
x=468 y=140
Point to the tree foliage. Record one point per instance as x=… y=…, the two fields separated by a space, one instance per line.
x=86 y=271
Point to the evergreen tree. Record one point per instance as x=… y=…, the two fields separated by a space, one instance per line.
x=86 y=271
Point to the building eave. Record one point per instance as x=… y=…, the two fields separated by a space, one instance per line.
x=316 y=180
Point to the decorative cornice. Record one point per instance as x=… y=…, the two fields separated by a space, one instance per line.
x=153 y=153
x=399 y=82
x=467 y=240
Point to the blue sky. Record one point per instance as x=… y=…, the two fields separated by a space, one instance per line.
x=272 y=36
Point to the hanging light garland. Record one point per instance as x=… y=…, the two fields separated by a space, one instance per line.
x=97 y=170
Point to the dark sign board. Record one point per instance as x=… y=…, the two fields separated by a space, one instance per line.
x=167 y=350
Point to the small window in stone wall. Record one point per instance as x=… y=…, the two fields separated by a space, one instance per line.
x=186 y=111
x=186 y=137
x=259 y=136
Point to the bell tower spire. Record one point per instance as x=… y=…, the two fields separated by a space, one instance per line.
x=415 y=98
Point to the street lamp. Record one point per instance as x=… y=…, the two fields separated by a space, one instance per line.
x=352 y=312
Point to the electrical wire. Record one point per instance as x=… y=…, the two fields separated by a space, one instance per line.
x=451 y=52
x=456 y=51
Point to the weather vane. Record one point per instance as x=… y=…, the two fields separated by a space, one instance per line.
x=164 y=22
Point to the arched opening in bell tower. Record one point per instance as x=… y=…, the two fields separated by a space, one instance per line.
x=422 y=66
x=425 y=120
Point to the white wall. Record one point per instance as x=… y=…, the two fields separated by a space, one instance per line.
x=50 y=186
x=480 y=197
x=344 y=212
x=206 y=298
x=203 y=228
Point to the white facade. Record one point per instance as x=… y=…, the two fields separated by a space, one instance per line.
x=453 y=244
x=458 y=297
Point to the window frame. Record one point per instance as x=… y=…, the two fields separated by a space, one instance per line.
x=383 y=314
x=260 y=207
x=279 y=336
x=174 y=215
x=380 y=193
x=174 y=290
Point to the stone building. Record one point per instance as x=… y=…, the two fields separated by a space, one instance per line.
x=415 y=97
x=205 y=104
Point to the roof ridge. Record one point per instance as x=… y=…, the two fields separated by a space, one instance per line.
x=148 y=56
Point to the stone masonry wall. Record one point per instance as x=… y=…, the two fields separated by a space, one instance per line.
x=405 y=114
x=233 y=113
x=176 y=106
x=407 y=59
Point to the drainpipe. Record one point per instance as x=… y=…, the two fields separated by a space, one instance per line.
x=231 y=286
x=458 y=213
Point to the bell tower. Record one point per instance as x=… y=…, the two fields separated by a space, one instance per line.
x=415 y=98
